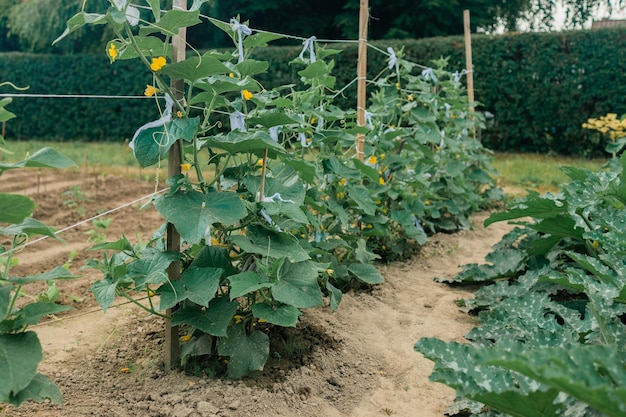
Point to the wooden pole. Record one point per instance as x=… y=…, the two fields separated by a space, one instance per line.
x=362 y=76
x=468 y=62
x=173 y=168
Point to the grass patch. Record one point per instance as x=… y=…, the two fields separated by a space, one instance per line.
x=519 y=172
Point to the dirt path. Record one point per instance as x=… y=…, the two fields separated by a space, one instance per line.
x=356 y=362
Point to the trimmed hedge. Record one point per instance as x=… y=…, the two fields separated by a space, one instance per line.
x=540 y=86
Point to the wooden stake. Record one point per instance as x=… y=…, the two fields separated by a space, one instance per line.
x=468 y=63
x=362 y=77
x=173 y=168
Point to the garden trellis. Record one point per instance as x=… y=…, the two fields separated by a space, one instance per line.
x=273 y=231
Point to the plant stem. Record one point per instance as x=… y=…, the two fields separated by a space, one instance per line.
x=149 y=310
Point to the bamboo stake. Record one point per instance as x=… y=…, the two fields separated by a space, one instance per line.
x=468 y=63
x=173 y=168
x=362 y=76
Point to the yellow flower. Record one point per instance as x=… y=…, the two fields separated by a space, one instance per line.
x=231 y=75
x=157 y=63
x=247 y=94
x=382 y=156
x=595 y=244
x=383 y=247
x=372 y=160
x=261 y=321
x=179 y=114
x=381 y=181
x=398 y=86
x=313 y=120
x=427 y=202
x=185 y=167
x=124 y=370
x=112 y=52
x=238 y=319
x=410 y=97
x=340 y=195
x=330 y=272
x=186 y=338
x=342 y=182
x=308 y=140
x=259 y=162
x=150 y=91
x=151 y=293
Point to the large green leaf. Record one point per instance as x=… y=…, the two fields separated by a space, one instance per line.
x=172 y=20
x=271 y=243
x=298 y=286
x=193 y=212
x=246 y=353
x=361 y=195
x=29 y=227
x=282 y=315
x=201 y=284
x=5 y=300
x=33 y=312
x=79 y=20
x=532 y=206
x=39 y=390
x=272 y=119
x=14 y=208
x=250 y=67
x=366 y=273
x=20 y=354
x=151 y=268
x=59 y=272
x=594 y=374
x=243 y=142
x=104 y=292
x=151 y=145
x=213 y=320
x=247 y=282
x=43 y=158
x=195 y=68
x=559 y=225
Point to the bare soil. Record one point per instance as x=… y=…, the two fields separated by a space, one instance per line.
x=358 y=361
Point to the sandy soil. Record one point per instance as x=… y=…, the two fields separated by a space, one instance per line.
x=357 y=362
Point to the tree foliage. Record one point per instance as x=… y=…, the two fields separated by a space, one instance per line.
x=32 y=25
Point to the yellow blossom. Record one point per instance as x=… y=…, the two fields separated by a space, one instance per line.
x=231 y=75
x=398 y=86
x=313 y=120
x=595 y=244
x=259 y=162
x=179 y=114
x=261 y=321
x=410 y=97
x=238 y=319
x=185 y=167
x=112 y=52
x=247 y=94
x=383 y=247
x=150 y=91
x=151 y=293
x=427 y=202
x=378 y=202
x=372 y=160
x=308 y=140
x=381 y=181
x=157 y=63
x=340 y=195
x=124 y=370
x=342 y=182
x=186 y=338
x=382 y=156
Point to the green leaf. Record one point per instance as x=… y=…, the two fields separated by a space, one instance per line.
x=238 y=142
x=593 y=374
x=282 y=315
x=5 y=300
x=172 y=20
x=532 y=206
x=104 y=293
x=59 y=272
x=559 y=225
x=39 y=390
x=260 y=39
x=194 y=68
x=120 y=245
x=201 y=284
x=184 y=128
x=362 y=254
x=193 y=212
x=246 y=353
x=151 y=145
x=170 y=294
x=29 y=227
x=361 y=195
x=20 y=354
x=250 y=67
x=271 y=243
x=33 y=312
x=44 y=158
x=271 y=119
x=335 y=296
x=151 y=268
x=213 y=320
x=79 y=20
x=197 y=346
x=247 y=282
x=366 y=273
x=14 y=208
x=298 y=286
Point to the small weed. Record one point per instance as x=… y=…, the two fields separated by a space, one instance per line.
x=388 y=411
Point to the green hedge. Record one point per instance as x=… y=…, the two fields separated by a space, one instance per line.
x=540 y=86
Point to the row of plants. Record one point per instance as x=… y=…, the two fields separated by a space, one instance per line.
x=20 y=348
x=552 y=307
x=285 y=215
x=539 y=87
